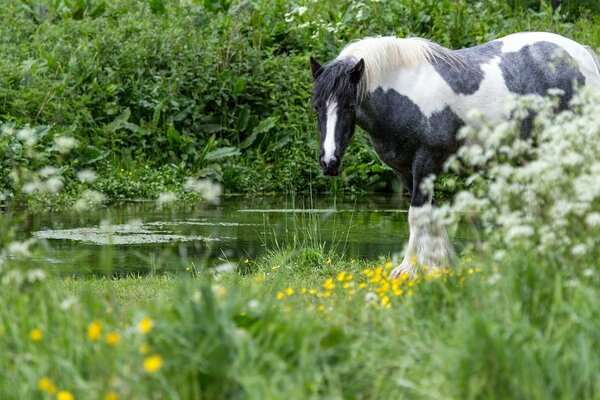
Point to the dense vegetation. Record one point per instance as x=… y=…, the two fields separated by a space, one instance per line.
x=163 y=90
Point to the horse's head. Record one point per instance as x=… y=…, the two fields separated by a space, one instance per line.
x=334 y=100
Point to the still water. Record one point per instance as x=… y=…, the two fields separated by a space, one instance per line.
x=143 y=237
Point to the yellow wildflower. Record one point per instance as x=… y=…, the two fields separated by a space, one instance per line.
x=145 y=325
x=289 y=291
x=112 y=338
x=280 y=295
x=413 y=260
x=328 y=262
x=385 y=301
x=111 y=396
x=303 y=290
x=46 y=385
x=341 y=276
x=64 y=395
x=368 y=272
x=36 y=335
x=329 y=285
x=312 y=291
x=362 y=285
x=94 y=330
x=388 y=265
x=153 y=363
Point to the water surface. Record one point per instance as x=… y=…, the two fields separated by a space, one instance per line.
x=142 y=237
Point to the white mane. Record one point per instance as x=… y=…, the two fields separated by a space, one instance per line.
x=385 y=53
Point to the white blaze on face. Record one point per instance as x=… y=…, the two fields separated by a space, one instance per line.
x=329 y=143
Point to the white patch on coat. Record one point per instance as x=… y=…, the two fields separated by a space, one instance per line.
x=584 y=59
x=329 y=143
x=438 y=95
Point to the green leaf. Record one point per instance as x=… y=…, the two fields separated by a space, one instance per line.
x=264 y=126
x=174 y=136
x=119 y=122
x=221 y=153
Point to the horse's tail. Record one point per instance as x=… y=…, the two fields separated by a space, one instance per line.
x=594 y=56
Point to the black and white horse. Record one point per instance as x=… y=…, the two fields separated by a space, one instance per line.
x=411 y=96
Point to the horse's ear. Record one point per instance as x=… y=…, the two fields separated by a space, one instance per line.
x=356 y=72
x=315 y=68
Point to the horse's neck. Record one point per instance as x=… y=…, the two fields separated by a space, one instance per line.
x=390 y=103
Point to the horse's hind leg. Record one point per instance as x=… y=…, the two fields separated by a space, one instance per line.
x=428 y=244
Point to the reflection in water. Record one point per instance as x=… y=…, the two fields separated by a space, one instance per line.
x=144 y=237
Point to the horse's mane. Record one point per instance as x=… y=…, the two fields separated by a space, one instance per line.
x=383 y=53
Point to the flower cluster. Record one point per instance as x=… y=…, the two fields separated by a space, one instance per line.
x=150 y=364
x=374 y=285
x=540 y=193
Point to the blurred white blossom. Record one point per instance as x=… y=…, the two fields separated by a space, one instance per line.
x=166 y=198
x=87 y=176
x=64 y=144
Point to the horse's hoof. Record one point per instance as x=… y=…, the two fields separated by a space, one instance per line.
x=404 y=268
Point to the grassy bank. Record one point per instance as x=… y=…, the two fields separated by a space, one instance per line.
x=216 y=89
x=304 y=325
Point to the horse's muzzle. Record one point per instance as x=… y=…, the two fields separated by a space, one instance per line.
x=331 y=166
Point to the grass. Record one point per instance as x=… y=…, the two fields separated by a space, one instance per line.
x=526 y=331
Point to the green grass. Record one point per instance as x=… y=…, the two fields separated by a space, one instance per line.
x=525 y=331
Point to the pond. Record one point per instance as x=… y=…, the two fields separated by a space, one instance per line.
x=142 y=237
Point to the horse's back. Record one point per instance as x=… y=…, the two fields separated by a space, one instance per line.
x=551 y=55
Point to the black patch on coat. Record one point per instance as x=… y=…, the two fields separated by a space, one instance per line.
x=399 y=132
x=541 y=66
x=465 y=76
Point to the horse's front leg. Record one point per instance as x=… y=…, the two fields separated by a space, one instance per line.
x=428 y=244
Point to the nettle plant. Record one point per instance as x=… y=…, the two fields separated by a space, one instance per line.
x=540 y=194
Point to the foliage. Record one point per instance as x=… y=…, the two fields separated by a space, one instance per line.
x=218 y=88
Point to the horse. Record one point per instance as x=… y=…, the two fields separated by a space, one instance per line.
x=412 y=96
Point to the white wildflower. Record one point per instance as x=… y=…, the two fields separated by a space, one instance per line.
x=166 y=198
x=64 y=144
x=35 y=275
x=592 y=220
x=32 y=187
x=579 y=249
x=20 y=249
x=210 y=191
x=371 y=297
x=67 y=303
x=89 y=199
x=53 y=185
x=87 y=176
x=48 y=171
x=27 y=136
x=518 y=232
